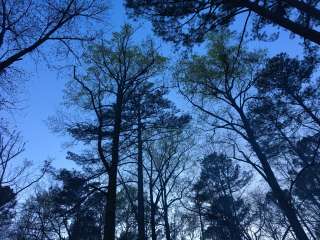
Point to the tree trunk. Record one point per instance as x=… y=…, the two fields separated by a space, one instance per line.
x=153 y=207
x=283 y=200
x=201 y=225
x=110 y=210
x=110 y=213
x=305 y=108
x=141 y=223
x=153 y=221
x=165 y=213
x=166 y=223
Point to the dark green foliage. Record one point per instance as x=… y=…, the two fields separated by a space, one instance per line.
x=6 y=195
x=7 y=209
x=68 y=212
x=158 y=114
x=190 y=21
x=218 y=192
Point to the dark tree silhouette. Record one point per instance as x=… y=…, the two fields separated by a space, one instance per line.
x=218 y=196
x=226 y=75
x=27 y=25
x=71 y=211
x=289 y=82
x=115 y=70
x=189 y=21
x=289 y=98
x=169 y=160
x=15 y=176
x=153 y=114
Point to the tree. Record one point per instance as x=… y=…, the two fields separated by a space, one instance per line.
x=218 y=198
x=290 y=82
x=189 y=21
x=153 y=114
x=288 y=89
x=10 y=149
x=226 y=75
x=268 y=222
x=79 y=201
x=169 y=160
x=7 y=209
x=127 y=214
x=27 y=25
x=70 y=211
x=15 y=177
x=306 y=175
x=115 y=69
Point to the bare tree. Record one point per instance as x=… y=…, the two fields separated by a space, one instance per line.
x=15 y=176
x=169 y=161
x=27 y=25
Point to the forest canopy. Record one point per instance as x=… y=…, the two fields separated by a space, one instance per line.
x=178 y=130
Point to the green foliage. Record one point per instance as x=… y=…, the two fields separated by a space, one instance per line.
x=218 y=192
x=224 y=65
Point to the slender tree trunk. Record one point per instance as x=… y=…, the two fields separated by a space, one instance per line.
x=236 y=232
x=201 y=225
x=283 y=200
x=166 y=223
x=153 y=222
x=141 y=223
x=110 y=214
x=152 y=206
x=165 y=213
x=110 y=210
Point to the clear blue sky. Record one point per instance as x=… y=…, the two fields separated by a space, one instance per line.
x=44 y=90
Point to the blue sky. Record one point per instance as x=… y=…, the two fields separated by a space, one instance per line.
x=43 y=90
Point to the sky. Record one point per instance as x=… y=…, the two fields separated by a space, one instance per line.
x=43 y=90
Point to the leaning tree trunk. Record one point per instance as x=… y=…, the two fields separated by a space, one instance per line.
x=297 y=28
x=110 y=209
x=283 y=200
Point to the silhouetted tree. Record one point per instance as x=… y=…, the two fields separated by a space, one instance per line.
x=15 y=176
x=153 y=115
x=189 y=21
x=169 y=160
x=290 y=82
x=306 y=174
x=218 y=194
x=24 y=29
x=127 y=214
x=226 y=75
x=72 y=211
x=114 y=71
x=267 y=221
x=287 y=120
